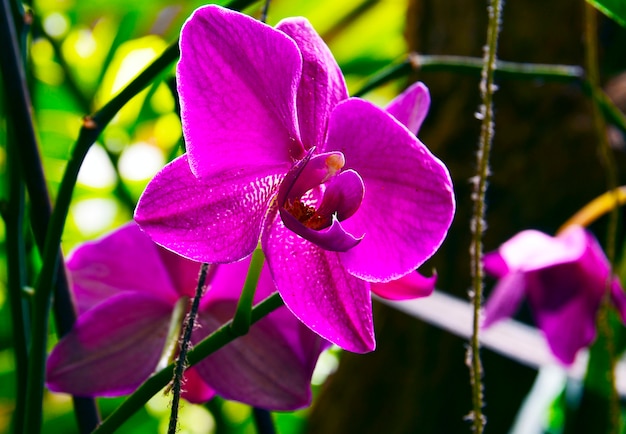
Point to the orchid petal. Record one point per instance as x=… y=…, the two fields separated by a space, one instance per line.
x=505 y=299
x=409 y=202
x=102 y=268
x=495 y=264
x=308 y=173
x=238 y=97
x=322 y=85
x=215 y=221
x=533 y=250
x=565 y=295
x=411 y=106
x=272 y=366
x=112 y=348
x=343 y=195
x=259 y=368
x=182 y=272
x=195 y=390
x=318 y=290
x=411 y=286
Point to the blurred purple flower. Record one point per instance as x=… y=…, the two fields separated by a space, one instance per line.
x=339 y=192
x=564 y=279
x=126 y=288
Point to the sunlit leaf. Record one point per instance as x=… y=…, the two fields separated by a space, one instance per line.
x=615 y=9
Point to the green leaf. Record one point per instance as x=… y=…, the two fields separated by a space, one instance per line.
x=614 y=9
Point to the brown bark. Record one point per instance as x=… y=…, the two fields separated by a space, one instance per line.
x=545 y=167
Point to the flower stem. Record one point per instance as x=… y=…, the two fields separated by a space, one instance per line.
x=598 y=207
x=266 y=7
x=472 y=65
x=158 y=381
x=487 y=88
x=179 y=368
x=16 y=275
x=263 y=421
x=241 y=320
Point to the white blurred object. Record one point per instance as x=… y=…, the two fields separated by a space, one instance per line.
x=510 y=338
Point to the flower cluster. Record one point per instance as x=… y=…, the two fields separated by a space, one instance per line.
x=339 y=192
x=342 y=196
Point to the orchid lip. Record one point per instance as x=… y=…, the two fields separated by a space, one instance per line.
x=316 y=195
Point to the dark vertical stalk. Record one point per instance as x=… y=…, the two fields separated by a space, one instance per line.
x=31 y=168
x=181 y=361
x=487 y=89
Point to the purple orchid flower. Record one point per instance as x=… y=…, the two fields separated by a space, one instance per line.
x=564 y=279
x=127 y=288
x=337 y=190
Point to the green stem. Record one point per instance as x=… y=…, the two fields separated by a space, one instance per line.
x=16 y=276
x=31 y=169
x=242 y=318
x=158 y=381
x=487 y=88
x=472 y=65
x=510 y=70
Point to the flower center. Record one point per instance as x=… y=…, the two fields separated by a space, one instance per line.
x=316 y=195
x=306 y=214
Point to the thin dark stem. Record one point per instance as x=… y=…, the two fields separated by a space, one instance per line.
x=16 y=277
x=263 y=421
x=179 y=368
x=158 y=381
x=266 y=7
x=487 y=89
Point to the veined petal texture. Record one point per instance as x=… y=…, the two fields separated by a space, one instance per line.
x=409 y=202
x=112 y=348
x=108 y=266
x=215 y=220
x=322 y=85
x=237 y=82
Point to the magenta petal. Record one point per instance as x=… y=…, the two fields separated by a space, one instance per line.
x=409 y=202
x=343 y=195
x=411 y=106
x=112 y=348
x=195 y=390
x=319 y=291
x=215 y=221
x=505 y=299
x=322 y=86
x=261 y=368
x=533 y=250
x=113 y=263
x=564 y=302
x=495 y=264
x=411 y=286
x=271 y=367
x=237 y=82
x=308 y=173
